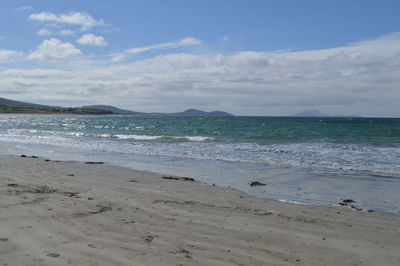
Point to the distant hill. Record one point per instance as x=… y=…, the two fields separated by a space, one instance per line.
x=195 y=112
x=10 y=106
x=16 y=105
x=113 y=109
x=189 y=112
x=309 y=113
x=316 y=113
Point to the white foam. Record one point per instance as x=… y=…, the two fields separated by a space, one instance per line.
x=142 y=137
x=198 y=138
x=138 y=137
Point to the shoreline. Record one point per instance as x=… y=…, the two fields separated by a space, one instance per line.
x=349 y=200
x=324 y=169
x=346 y=201
x=60 y=213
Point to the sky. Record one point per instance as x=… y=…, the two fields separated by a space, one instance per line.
x=247 y=57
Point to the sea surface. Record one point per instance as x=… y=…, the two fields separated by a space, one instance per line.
x=304 y=160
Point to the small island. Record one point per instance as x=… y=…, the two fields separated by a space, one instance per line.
x=316 y=113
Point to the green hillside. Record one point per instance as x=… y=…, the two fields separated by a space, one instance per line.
x=113 y=109
x=10 y=106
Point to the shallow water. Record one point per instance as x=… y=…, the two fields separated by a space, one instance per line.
x=305 y=160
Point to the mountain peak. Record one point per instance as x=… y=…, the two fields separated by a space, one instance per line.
x=112 y=109
x=196 y=112
x=311 y=113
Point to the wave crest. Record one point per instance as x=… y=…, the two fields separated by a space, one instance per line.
x=143 y=137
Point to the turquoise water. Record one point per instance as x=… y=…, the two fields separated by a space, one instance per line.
x=305 y=160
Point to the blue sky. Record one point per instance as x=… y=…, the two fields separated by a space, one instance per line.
x=247 y=57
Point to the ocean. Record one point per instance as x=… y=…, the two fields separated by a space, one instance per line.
x=304 y=160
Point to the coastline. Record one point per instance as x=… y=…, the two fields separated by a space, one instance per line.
x=61 y=213
x=321 y=168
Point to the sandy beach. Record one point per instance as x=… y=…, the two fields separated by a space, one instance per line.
x=69 y=213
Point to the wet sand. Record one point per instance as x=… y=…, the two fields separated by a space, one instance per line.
x=68 y=213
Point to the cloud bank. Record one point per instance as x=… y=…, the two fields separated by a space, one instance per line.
x=359 y=78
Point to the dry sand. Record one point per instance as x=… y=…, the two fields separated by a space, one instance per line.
x=68 y=213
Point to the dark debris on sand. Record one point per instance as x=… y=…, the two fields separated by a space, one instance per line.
x=53 y=255
x=26 y=156
x=347 y=202
x=256 y=183
x=178 y=178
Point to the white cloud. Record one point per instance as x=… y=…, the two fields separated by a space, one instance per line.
x=82 y=19
x=43 y=32
x=8 y=55
x=23 y=8
x=188 y=41
x=54 y=49
x=225 y=38
x=66 y=33
x=117 y=57
x=92 y=40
